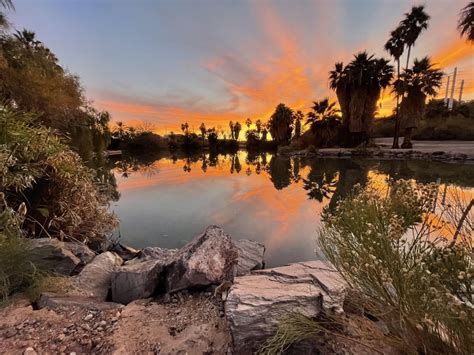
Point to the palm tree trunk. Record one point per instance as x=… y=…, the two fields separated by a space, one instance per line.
x=408 y=57
x=396 y=135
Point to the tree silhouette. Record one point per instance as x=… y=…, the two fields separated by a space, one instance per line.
x=202 y=128
x=231 y=126
x=466 y=22
x=421 y=81
x=280 y=124
x=298 y=118
x=237 y=129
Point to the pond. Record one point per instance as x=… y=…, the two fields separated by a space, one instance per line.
x=277 y=201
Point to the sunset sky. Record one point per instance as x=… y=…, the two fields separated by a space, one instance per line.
x=172 y=61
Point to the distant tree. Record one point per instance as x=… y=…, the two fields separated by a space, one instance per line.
x=281 y=123
x=120 y=130
x=212 y=136
x=237 y=129
x=265 y=132
x=298 y=118
x=258 y=125
x=466 y=22
x=421 y=81
x=202 y=129
x=185 y=128
x=231 y=127
x=248 y=123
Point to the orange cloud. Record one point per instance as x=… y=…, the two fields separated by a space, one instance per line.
x=453 y=53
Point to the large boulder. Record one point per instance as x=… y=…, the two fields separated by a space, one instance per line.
x=95 y=279
x=60 y=257
x=250 y=256
x=209 y=259
x=140 y=277
x=257 y=302
x=53 y=255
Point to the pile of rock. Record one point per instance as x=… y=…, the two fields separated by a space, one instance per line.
x=256 y=300
x=209 y=259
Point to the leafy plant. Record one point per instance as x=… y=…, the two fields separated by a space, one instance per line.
x=393 y=249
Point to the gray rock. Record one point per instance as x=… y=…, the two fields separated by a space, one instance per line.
x=95 y=279
x=52 y=255
x=140 y=277
x=209 y=259
x=250 y=256
x=82 y=251
x=53 y=301
x=257 y=302
x=156 y=253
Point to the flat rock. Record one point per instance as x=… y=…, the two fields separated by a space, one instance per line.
x=140 y=277
x=53 y=301
x=53 y=255
x=251 y=256
x=257 y=302
x=209 y=259
x=95 y=279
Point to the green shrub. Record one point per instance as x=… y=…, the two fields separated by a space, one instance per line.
x=41 y=171
x=391 y=248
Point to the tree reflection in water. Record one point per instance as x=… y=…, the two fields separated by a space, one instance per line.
x=322 y=179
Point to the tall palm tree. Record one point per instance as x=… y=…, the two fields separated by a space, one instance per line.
x=299 y=116
x=421 y=81
x=395 y=47
x=358 y=86
x=231 y=126
x=466 y=22
x=412 y=25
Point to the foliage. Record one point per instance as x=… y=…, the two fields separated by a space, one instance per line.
x=39 y=170
x=466 y=22
x=390 y=246
x=280 y=124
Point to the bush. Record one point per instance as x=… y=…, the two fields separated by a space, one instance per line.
x=17 y=271
x=144 y=142
x=449 y=128
x=392 y=249
x=42 y=172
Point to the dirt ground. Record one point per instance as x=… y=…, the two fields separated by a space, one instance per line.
x=184 y=324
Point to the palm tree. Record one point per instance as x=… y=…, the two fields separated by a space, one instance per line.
x=248 y=122
x=280 y=124
x=258 y=125
x=358 y=86
x=203 y=130
x=231 y=126
x=298 y=118
x=4 y=5
x=395 y=47
x=322 y=110
x=414 y=23
x=237 y=129
x=421 y=81
x=120 y=130
x=466 y=22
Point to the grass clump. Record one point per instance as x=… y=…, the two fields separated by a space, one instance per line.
x=411 y=262
x=39 y=170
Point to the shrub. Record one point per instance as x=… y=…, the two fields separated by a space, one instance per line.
x=392 y=249
x=144 y=142
x=17 y=271
x=39 y=170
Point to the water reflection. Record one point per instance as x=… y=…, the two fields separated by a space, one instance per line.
x=167 y=200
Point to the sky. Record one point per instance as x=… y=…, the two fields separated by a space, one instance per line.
x=171 y=61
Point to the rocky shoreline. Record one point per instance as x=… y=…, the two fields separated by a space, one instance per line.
x=211 y=296
x=385 y=154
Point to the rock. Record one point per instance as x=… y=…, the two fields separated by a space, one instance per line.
x=52 y=301
x=257 y=302
x=52 y=255
x=124 y=251
x=140 y=277
x=95 y=279
x=29 y=351
x=250 y=256
x=82 y=251
x=156 y=253
x=209 y=259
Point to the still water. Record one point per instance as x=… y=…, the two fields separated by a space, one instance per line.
x=277 y=201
